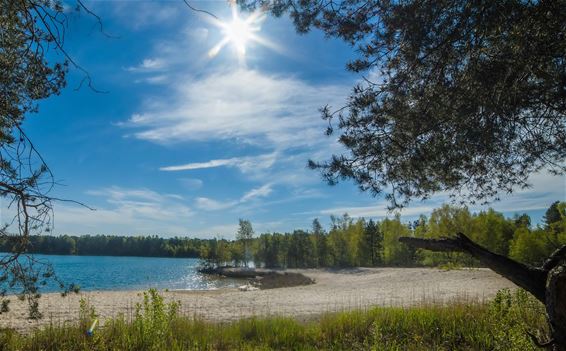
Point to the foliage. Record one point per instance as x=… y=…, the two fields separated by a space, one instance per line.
x=98 y=245
x=515 y=310
x=460 y=325
x=25 y=78
x=466 y=97
x=245 y=235
x=33 y=67
x=347 y=243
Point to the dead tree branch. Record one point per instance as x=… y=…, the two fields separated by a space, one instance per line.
x=529 y=278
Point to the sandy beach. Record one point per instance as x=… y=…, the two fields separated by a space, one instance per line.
x=334 y=290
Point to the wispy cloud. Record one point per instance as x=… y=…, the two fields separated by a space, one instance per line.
x=376 y=211
x=277 y=112
x=201 y=165
x=127 y=211
x=546 y=188
x=262 y=191
x=245 y=164
x=191 y=183
x=148 y=65
x=208 y=204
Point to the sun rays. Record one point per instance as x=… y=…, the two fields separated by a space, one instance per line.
x=239 y=32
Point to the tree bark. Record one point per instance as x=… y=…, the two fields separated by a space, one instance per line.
x=556 y=305
x=547 y=283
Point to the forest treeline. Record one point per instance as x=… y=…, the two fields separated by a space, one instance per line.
x=359 y=242
x=110 y=245
x=348 y=242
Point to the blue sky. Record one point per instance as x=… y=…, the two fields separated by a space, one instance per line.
x=185 y=144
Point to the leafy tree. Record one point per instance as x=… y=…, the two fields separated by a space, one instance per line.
x=245 y=235
x=459 y=95
x=372 y=247
x=300 y=252
x=555 y=227
x=33 y=67
x=553 y=215
x=321 y=244
x=395 y=252
x=464 y=97
x=527 y=246
x=492 y=231
x=522 y=220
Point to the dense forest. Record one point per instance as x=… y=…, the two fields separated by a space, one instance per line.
x=360 y=242
x=347 y=242
x=110 y=245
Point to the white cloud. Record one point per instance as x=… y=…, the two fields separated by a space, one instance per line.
x=262 y=191
x=148 y=64
x=127 y=211
x=245 y=164
x=118 y=194
x=546 y=188
x=277 y=112
x=201 y=165
x=375 y=211
x=160 y=79
x=208 y=204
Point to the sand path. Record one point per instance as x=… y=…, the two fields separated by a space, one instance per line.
x=335 y=290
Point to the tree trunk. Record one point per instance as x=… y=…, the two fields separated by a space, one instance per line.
x=556 y=305
x=547 y=283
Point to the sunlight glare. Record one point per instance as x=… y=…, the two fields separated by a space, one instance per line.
x=239 y=33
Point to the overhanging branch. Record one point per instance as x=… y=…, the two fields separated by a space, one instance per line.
x=529 y=278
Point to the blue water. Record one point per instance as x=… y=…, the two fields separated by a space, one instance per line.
x=131 y=273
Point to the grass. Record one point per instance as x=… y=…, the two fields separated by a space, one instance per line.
x=501 y=324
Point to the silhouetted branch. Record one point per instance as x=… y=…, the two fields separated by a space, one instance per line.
x=199 y=10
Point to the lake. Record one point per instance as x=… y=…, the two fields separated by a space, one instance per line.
x=132 y=273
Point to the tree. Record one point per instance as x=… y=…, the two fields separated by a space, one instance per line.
x=394 y=252
x=245 y=235
x=552 y=215
x=523 y=220
x=373 y=243
x=31 y=31
x=467 y=97
x=464 y=97
x=321 y=244
x=527 y=246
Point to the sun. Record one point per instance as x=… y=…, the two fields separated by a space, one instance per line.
x=239 y=32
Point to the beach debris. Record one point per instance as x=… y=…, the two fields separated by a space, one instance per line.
x=247 y=287
x=90 y=330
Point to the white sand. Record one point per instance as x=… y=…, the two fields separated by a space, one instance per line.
x=334 y=291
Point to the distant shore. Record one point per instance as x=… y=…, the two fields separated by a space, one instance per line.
x=334 y=290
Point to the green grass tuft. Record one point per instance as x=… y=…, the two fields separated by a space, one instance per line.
x=501 y=324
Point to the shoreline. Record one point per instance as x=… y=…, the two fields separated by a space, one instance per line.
x=333 y=291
